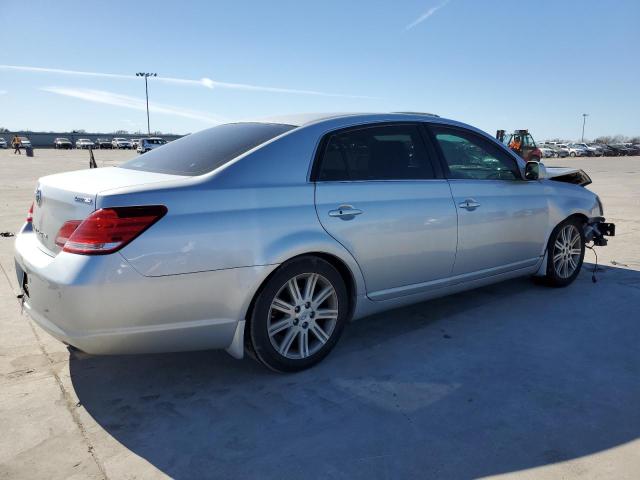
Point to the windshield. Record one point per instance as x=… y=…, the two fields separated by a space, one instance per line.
x=207 y=150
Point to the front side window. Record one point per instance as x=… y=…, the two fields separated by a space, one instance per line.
x=528 y=141
x=468 y=156
x=386 y=152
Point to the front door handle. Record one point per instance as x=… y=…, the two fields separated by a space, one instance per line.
x=469 y=204
x=345 y=212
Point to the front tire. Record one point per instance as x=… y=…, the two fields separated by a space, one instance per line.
x=299 y=315
x=565 y=253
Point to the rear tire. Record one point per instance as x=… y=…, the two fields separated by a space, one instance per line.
x=565 y=253
x=298 y=315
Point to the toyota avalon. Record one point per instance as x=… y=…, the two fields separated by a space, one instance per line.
x=268 y=237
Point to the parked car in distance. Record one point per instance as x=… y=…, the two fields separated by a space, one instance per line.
x=635 y=149
x=621 y=149
x=547 y=151
x=83 y=143
x=3 y=143
x=62 y=143
x=599 y=151
x=576 y=150
x=147 y=144
x=271 y=237
x=134 y=142
x=25 y=142
x=121 y=143
x=102 y=143
x=605 y=150
x=591 y=151
x=562 y=150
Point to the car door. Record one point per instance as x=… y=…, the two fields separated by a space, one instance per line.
x=502 y=218
x=381 y=195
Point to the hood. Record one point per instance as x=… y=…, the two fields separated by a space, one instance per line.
x=568 y=175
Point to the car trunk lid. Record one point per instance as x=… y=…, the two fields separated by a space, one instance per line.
x=72 y=196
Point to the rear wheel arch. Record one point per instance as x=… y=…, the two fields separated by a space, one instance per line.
x=343 y=269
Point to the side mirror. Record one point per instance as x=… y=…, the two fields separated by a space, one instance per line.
x=535 y=171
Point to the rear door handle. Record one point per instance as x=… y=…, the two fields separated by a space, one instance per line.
x=345 y=212
x=469 y=204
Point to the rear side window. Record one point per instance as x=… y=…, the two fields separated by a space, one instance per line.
x=468 y=156
x=203 y=152
x=388 y=152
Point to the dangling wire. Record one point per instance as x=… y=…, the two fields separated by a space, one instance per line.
x=595 y=267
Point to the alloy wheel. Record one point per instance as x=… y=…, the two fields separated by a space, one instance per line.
x=566 y=251
x=302 y=316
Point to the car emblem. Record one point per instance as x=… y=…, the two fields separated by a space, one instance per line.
x=39 y=197
x=83 y=199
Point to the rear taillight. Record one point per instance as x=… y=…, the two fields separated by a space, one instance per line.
x=108 y=229
x=66 y=230
x=30 y=214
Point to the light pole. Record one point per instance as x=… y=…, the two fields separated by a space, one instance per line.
x=146 y=75
x=584 y=120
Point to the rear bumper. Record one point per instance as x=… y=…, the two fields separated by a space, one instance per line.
x=101 y=305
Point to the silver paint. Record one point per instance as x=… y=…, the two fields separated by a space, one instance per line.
x=188 y=281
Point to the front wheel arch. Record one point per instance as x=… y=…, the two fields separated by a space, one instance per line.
x=548 y=276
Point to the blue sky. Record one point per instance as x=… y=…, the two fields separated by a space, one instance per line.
x=493 y=64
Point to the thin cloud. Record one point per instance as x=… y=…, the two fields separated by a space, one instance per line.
x=3 y=92
x=203 y=82
x=125 y=101
x=425 y=15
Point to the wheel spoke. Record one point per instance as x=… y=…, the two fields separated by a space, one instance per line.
x=294 y=290
x=279 y=326
x=288 y=340
x=326 y=313
x=575 y=251
x=303 y=343
x=557 y=257
x=572 y=264
x=575 y=239
x=323 y=295
x=559 y=244
x=319 y=333
x=282 y=306
x=310 y=286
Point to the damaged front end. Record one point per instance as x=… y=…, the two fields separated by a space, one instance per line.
x=568 y=175
x=596 y=229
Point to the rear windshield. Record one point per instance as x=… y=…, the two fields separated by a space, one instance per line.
x=202 y=152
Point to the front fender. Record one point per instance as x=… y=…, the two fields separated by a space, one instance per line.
x=565 y=200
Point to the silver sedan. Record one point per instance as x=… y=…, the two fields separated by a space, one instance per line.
x=268 y=237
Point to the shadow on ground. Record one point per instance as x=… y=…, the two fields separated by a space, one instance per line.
x=500 y=379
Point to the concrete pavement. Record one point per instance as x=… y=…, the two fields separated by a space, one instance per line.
x=512 y=380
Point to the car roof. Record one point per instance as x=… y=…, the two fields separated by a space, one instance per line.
x=304 y=119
